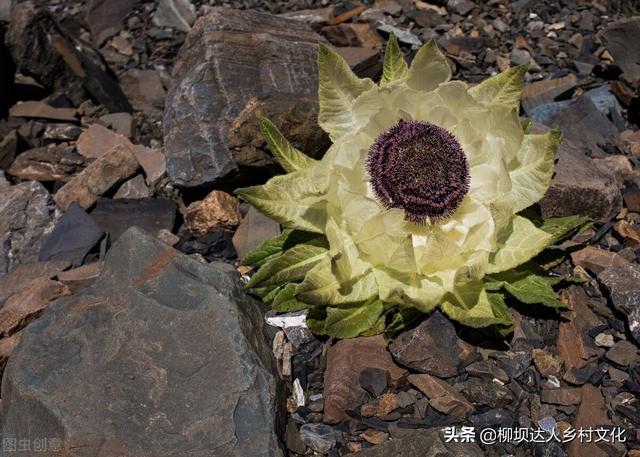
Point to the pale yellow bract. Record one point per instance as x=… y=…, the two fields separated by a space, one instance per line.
x=373 y=252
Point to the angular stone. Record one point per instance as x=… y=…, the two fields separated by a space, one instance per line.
x=345 y=360
x=7 y=345
x=423 y=443
x=623 y=353
x=356 y=35
x=364 y=62
x=316 y=18
x=622 y=285
x=188 y=378
x=218 y=211
x=619 y=164
x=144 y=89
x=381 y=406
x=81 y=277
x=58 y=163
x=579 y=187
x=152 y=161
x=441 y=395
x=178 y=14
x=565 y=396
x=136 y=187
x=546 y=91
x=253 y=230
x=21 y=275
x=432 y=347
x=631 y=197
x=97 y=140
x=106 y=17
x=40 y=110
x=591 y=413
x=462 y=7
x=482 y=392
x=487 y=368
x=574 y=345
x=546 y=363
x=319 y=437
x=597 y=260
x=99 y=177
x=28 y=216
x=255 y=65
x=62 y=132
x=374 y=380
x=73 y=237
x=292 y=439
x=117 y=216
x=8 y=149
x=22 y=306
x=621 y=39
x=122 y=123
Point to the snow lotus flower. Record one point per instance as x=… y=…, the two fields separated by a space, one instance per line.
x=415 y=206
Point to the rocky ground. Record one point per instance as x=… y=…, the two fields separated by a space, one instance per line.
x=140 y=341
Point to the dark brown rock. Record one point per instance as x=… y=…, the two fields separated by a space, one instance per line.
x=487 y=368
x=622 y=285
x=623 y=353
x=256 y=65
x=81 y=277
x=40 y=110
x=591 y=413
x=144 y=89
x=565 y=396
x=546 y=363
x=432 y=347
x=484 y=392
x=356 y=35
x=579 y=187
x=149 y=214
x=21 y=275
x=621 y=40
x=253 y=230
x=138 y=348
x=106 y=17
x=364 y=62
x=441 y=395
x=97 y=140
x=597 y=260
x=28 y=216
x=547 y=91
x=8 y=149
x=136 y=187
x=345 y=360
x=58 y=163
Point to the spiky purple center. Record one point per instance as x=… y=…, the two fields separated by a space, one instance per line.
x=420 y=168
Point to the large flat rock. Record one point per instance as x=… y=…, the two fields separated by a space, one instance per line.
x=235 y=66
x=163 y=356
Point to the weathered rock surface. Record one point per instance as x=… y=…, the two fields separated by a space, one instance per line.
x=256 y=65
x=106 y=18
x=431 y=347
x=423 y=443
x=345 y=360
x=617 y=38
x=441 y=395
x=21 y=275
x=48 y=164
x=162 y=343
x=623 y=285
x=253 y=230
x=591 y=413
x=597 y=260
x=580 y=187
x=219 y=210
x=28 y=216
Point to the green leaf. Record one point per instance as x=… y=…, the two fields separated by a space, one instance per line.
x=266 y=294
x=503 y=89
x=351 y=321
x=429 y=68
x=532 y=170
x=296 y=200
x=395 y=68
x=337 y=90
x=317 y=319
x=292 y=265
x=563 y=227
x=289 y=158
x=402 y=320
x=527 y=287
x=285 y=300
x=273 y=247
x=321 y=287
x=519 y=243
x=472 y=306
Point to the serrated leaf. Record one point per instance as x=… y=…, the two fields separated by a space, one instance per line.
x=395 y=68
x=563 y=227
x=503 y=89
x=292 y=265
x=296 y=200
x=289 y=158
x=285 y=300
x=527 y=287
x=321 y=287
x=337 y=90
x=351 y=321
x=429 y=68
x=273 y=247
x=533 y=168
x=472 y=306
x=518 y=244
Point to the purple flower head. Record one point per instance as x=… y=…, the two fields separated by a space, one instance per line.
x=420 y=168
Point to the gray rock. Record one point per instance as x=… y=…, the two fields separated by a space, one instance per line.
x=621 y=39
x=28 y=217
x=5 y=10
x=623 y=285
x=161 y=356
x=432 y=347
x=73 y=237
x=423 y=443
x=235 y=66
x=319 y=437
x=462 y=7
x=106 y=17
x=178 y=14
x=580 y=187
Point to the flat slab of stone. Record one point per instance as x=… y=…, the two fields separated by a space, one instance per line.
x=234 y=66
x=163 y=356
